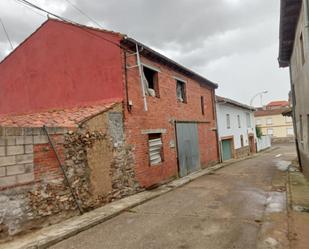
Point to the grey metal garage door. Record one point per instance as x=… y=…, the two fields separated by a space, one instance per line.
x=187 y=148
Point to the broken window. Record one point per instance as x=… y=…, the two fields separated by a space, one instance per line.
x=181 y=91
x=155 y=148
x=150 y=77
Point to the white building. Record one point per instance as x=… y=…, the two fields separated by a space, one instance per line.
x=236 y=128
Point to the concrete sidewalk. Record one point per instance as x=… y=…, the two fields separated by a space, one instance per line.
x=298 y=195
x=50 y=235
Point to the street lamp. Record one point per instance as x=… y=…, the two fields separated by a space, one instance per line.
x=258 y=94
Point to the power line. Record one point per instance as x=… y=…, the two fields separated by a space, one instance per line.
x=67 y=20
x=7 y=35
x=29 y=8
x=83 y=13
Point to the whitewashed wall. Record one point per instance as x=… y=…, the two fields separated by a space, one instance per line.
x=222 y=110
x=263 y=143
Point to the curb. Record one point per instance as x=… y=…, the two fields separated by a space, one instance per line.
x=51 y=235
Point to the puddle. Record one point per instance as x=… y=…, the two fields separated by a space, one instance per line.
x=276 y=202
x=282 y=165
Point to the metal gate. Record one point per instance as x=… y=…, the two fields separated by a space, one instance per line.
x=187 y=148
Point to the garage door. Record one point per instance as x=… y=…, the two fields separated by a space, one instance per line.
x=187 y=148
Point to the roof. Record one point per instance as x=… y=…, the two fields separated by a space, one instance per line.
x=224 y=100
x=289 y=15
x=152 y=54
x=261 y=113
x=278 y=103
x=67 y=118
x=131 y=43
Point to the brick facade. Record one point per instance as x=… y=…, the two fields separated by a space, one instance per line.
x=162 y=114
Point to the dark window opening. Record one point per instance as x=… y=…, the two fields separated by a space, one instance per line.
x=302 y=51
x=228 y=121
x=202 y=105
x=155 y=148
x=181 y=91
x=151 y=82
x=242 y=140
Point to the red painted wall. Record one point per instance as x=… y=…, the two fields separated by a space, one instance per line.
x=60 y=65
x=162 y=111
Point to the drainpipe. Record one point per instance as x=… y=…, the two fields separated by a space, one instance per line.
x=294 y=119
x=217 y=127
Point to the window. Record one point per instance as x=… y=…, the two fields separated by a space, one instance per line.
x=302 y=49
x=289 y=132
x=150 y=77
x=238 y=119
x=181 y=91
x=242 y=140
x=258 y=122
x=270 y=132
x=288 y=119
x=155 y=148
x=248 y=120
x=228 y=121
x=269 y=121
x=301 y=128
x=202 y=105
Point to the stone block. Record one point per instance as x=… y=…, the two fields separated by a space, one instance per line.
x=20 y=140
x=28 y=139
x=7 y=160
x=13 y=131
x=8 y=181
x=15 y=170
x=29 y=148
x=25 y=178
x=26 y=158
x=29 y=167
x=41 y=139
x=2 y=141
x=2 y=171
x=11 y=140
x=2 y=151
x=15 y=150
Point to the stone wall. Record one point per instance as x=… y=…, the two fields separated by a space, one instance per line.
x=242 y=152
x=98 y=163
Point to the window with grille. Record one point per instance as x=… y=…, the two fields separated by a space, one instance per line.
x=155 y=148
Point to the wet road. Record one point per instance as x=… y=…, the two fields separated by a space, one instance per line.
x=232 y=208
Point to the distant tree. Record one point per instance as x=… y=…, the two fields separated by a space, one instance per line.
x=258 y=130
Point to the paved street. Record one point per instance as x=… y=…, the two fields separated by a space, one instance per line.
x=240 y=206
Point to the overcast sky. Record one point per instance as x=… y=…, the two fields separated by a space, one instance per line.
x=231 y=42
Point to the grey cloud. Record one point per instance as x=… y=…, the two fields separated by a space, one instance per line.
x=232 y=42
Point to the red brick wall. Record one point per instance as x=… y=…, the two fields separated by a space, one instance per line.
x=60 y=65
x=162 y=111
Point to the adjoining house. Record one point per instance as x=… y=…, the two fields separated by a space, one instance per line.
x=294 y=53
x=236 y=128
x=116 y=115
x=272 y=121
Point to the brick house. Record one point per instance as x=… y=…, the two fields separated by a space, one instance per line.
x=148 y=120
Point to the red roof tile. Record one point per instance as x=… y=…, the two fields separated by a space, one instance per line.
x=278 y=103
x=68 y=117
x=261 y=113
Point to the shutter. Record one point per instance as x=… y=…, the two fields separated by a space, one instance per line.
x=155 y=147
